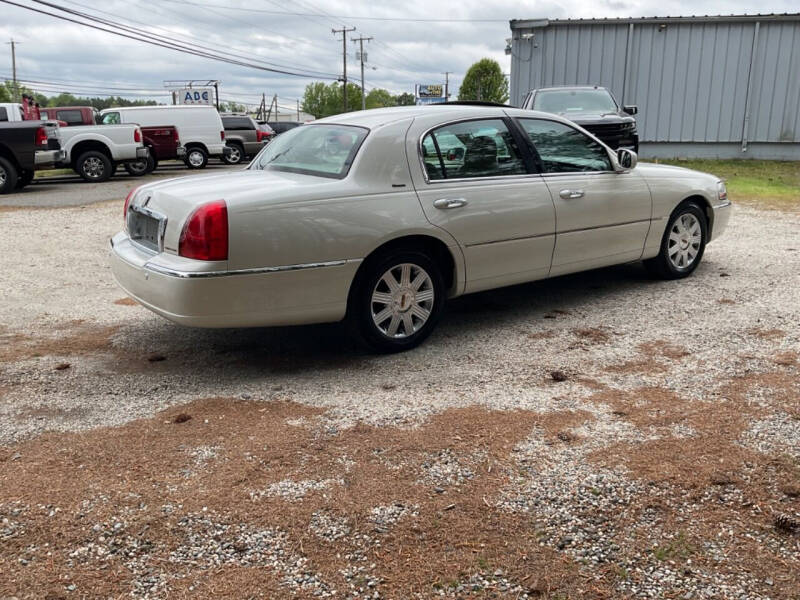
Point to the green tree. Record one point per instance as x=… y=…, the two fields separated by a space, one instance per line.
x=379 y=98
x=405 y=99
x=323 y=100
x=484 y=81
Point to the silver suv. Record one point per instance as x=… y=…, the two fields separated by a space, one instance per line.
x=243 y=136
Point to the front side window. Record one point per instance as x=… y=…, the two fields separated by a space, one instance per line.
x=111 y=118
x=471 y=149
x=321 y=150
x=563 y=149
x=3 y=114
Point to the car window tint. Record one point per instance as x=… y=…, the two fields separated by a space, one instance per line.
x=473 y=149
x=563 y=149
x=111 y=118
x=71 y=117
x=3 y=114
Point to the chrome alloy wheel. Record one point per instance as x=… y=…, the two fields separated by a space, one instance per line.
x=195 y=158
x=402 y=300
x=235 y=157
x=93 y=167
x=685 y=239
x=3 y=176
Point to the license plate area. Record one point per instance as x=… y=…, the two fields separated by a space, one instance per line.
x=146 y=228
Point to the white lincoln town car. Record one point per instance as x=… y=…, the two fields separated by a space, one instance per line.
x=381 y=216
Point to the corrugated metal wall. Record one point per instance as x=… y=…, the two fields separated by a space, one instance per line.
x=689 y=78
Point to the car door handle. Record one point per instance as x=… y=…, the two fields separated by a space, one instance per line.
x=571 y=194
x=450 y=202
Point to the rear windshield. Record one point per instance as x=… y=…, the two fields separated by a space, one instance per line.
x=567 y=101
x=321 y=150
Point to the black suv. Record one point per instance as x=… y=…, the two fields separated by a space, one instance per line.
x=591 y=107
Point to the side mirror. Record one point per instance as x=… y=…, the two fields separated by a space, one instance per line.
x=627 y=159
x=631 y=109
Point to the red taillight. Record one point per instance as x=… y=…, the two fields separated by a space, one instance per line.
x=41 y=137
x=222 y=136
x=127 y=203
x=205 y=233
x=137 y=136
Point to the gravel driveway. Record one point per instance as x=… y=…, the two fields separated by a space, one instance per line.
x=594 y=436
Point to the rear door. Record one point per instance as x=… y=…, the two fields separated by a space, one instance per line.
x=602 y=217
x=474 y=181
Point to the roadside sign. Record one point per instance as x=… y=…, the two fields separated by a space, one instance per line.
x=194 y=96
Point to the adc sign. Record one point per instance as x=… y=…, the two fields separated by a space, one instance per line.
x=195 y=96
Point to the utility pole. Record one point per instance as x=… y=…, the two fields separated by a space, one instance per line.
x=344 y=31
x=361 y=41
x=216 y=94
x=298 y=110
x=447 y=85
x=13 y=45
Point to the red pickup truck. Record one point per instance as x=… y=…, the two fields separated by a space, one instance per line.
x=163 y=141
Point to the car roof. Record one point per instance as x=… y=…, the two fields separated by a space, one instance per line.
x=378 y=117
x=570 y=87
x=171 y=107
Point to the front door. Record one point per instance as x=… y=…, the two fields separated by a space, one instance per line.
x=477 y=187
x=602 y=217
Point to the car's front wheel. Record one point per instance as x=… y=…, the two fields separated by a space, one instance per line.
x=683 y=243
x=236 y=155
x=141 y=167
x=94 y=166
x=196 y=158
x=397 y=301
x=8 y=176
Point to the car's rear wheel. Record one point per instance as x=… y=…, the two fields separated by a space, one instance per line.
x=141 y=167
x=94 y=166
x=236 y=155
x=8 y=176
x=196 y=158
x=683 y=243
x=397 y=301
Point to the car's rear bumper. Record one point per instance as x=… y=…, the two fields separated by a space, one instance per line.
x=722 y=214
x=48 y=158
x=201 y=294
x=180 y=152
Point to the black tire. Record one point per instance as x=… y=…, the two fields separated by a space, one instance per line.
x=196 y=158
x=114 y=166
x=362 y=309
x=155 y=163
x=679 y=242
x=24 y=179
x=94 y=166
x=8 y=176
x=236 y=157
x=141 y=167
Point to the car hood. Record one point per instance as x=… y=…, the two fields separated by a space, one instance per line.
x=669 y=171
x=590 y=119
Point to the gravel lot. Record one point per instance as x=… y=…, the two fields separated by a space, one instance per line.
x=594 y=436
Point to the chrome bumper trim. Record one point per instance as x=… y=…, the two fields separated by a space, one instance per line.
x=204 y=274
x=723 y=205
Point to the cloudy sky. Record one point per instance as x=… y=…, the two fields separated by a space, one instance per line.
x=414 y=41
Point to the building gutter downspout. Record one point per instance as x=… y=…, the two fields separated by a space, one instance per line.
x=749 y=94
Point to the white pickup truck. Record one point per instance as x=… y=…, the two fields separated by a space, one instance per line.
x=92 y=151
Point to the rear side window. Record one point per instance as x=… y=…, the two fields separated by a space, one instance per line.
x=71 y=117
x=3 y=114
x=563 y=149
x=237 y=123
x=111 y=118
x=470 y=149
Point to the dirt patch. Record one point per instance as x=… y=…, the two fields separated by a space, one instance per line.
x=173 y=505
x=74 y=338
x=652 y=360
x=786 y=359
x=767 y=334
x=593 y=335
x=126 y=302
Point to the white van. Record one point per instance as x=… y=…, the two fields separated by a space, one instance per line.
x=199 y=127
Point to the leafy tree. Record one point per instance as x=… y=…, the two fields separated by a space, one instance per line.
x=232 y=107
x=484 y=81
x=405 y=99
x=323 y=100
x=379 y=98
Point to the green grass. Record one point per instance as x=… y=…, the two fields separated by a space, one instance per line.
x=52 y=173
x=763 y=183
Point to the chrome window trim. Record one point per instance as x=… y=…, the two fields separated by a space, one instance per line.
x=171 y=272
x=501 y=117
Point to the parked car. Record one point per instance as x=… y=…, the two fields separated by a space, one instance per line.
x=11 y=112
x=71 y=115
x=199 y=127
x=244 y=137
x=95 y=151
x=26 y=146
x=280 y=127
x=592 y=107
x=163 y=143
x=360 y=216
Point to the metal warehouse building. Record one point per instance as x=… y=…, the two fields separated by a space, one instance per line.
x=717 y=87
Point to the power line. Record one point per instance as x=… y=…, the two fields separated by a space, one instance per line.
x=150 y=38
